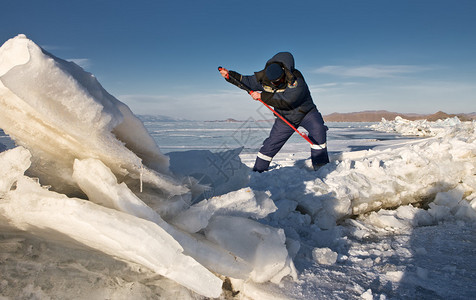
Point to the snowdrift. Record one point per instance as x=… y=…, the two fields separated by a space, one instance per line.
x=87 y=172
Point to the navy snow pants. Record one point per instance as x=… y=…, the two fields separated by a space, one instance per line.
x=281 y=132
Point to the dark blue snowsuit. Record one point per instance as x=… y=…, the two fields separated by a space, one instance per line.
x=292 y=100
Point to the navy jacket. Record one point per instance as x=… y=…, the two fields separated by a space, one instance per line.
x=292 y=99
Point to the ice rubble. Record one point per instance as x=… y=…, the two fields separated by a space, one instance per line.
x=82 y=143
x=364 y=181
x=52 y=215
x=416 y=128
x=406 y=193
x=449 y=162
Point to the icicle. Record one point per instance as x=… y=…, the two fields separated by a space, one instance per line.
x=141 y=172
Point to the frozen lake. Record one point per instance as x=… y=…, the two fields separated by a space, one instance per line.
x=222 y=136
x=176 y=136
x=246 y=137
x=218 y=137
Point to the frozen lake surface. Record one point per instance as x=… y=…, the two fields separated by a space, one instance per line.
x=222 y=136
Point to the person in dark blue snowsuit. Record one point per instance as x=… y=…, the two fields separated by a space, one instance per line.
x=280 y=85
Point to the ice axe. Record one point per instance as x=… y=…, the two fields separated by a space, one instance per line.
x=241 y=85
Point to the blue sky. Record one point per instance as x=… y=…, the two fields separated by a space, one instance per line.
x=161 y=57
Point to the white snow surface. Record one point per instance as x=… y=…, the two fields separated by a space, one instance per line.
x=90 y=207
x=418 y=127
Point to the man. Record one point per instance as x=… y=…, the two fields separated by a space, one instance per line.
x=280 y=85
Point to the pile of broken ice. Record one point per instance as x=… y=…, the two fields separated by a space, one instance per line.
x=86 y=171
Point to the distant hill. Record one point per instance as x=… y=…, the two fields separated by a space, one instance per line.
x=377 y=115
x=229 y=120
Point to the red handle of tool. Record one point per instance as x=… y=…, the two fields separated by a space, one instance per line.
x=286 y=121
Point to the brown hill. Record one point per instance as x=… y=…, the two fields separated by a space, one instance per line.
x=442 y=115
x=377 y=115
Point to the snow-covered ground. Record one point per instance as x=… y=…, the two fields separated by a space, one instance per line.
x=91 y=208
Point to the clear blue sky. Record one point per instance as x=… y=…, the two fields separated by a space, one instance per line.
x=161 y=57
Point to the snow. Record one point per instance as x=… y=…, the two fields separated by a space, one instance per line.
x=324 y=256
x=91 y=208
x=86 y=145
x=418 y=127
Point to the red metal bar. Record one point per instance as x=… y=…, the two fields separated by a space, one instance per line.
x=303 y=135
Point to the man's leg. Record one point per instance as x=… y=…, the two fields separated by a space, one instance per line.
x=278 y=136
x=314 y=124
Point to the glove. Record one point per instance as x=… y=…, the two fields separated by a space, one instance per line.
x=235 y=75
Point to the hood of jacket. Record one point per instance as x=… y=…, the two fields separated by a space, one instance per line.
x=284 y=58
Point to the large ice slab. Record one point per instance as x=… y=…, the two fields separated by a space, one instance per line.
x=88 y=172
x=67 y=114
x=54 y=216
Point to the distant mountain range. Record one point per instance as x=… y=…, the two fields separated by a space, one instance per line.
x=377 y=115
x=362 y=116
